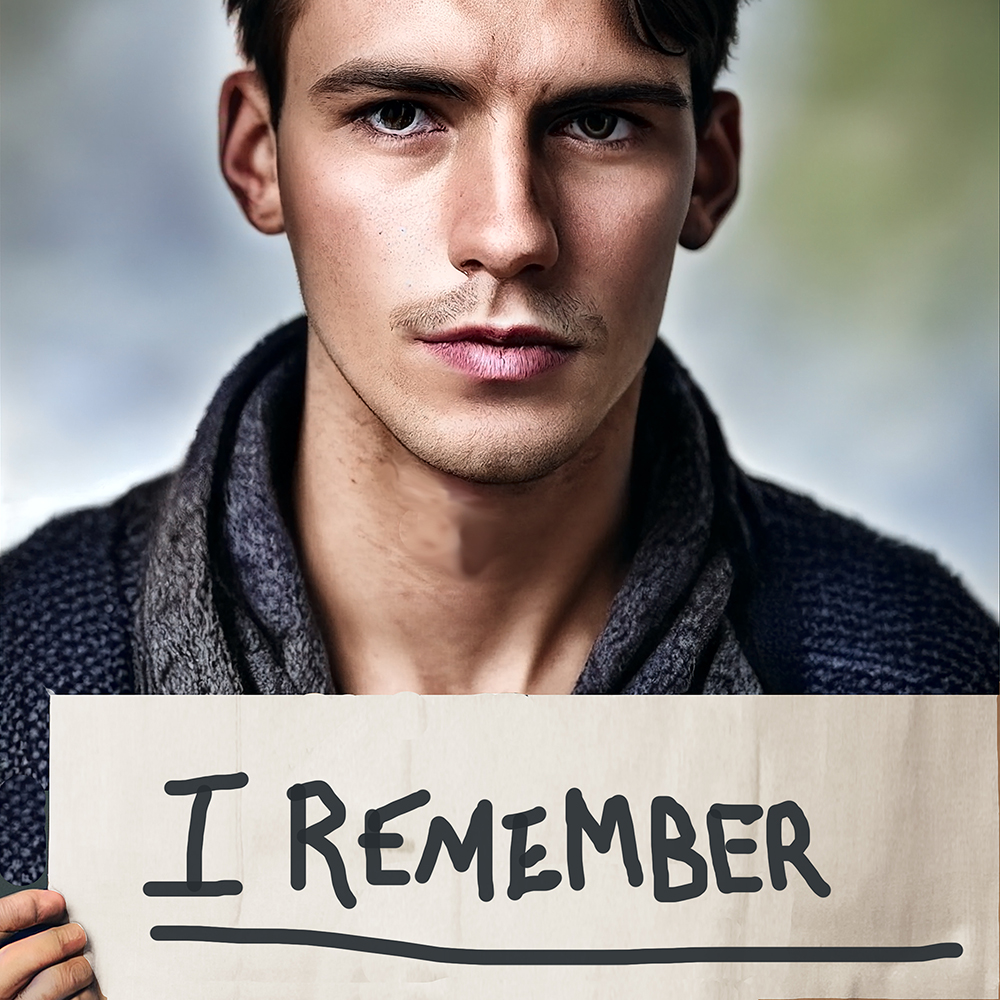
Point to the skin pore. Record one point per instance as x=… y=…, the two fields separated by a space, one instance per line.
x=483 y=211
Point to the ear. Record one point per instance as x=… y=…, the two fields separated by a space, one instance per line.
x=717 y=171
x=248 y=150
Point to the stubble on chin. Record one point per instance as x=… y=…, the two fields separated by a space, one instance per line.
x=492 y=458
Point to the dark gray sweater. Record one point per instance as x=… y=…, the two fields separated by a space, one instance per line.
x=191 y=583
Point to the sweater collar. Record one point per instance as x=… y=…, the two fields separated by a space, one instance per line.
x=224 y=607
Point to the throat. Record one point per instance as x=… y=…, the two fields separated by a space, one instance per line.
x=461 y=603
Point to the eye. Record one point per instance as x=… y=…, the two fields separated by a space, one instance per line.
x=598 y=125
x=399 y=118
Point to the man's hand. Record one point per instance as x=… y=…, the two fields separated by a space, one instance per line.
x=47 y=965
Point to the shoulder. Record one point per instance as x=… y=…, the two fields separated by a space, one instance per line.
x=839 y=608
x=66 y=598
x=66 y=595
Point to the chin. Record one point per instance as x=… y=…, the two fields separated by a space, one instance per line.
x=487 y=459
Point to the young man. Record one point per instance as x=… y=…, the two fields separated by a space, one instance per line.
x=472 y=467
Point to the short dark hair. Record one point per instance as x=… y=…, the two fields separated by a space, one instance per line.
x=704 y=30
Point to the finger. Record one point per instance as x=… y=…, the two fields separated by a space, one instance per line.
x=22 y=959
x=59 y=982
x=92 y=992
x=24 y=909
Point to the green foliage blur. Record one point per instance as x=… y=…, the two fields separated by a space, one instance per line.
x=879 y=198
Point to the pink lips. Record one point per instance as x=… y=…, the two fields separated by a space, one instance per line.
x=507 y=354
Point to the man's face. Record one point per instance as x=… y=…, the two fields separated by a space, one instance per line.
x=483 y=199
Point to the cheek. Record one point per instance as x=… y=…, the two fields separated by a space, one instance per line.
x=622 y=239
x=358 y=239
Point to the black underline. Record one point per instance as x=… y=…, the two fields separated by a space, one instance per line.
x=549 y=956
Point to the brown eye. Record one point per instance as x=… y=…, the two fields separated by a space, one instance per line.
x=597 y=124
x=395 y=116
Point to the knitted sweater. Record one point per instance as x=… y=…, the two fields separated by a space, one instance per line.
x=776 y=594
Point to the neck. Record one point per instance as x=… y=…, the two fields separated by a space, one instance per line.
x=425 y=582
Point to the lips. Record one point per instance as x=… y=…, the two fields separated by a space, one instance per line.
x=499 y=354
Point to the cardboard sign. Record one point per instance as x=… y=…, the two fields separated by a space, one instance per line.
x=503 y=846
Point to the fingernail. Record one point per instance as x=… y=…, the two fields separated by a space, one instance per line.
x=79 y=931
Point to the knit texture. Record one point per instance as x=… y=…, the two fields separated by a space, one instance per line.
x=735 y=586
x=65 y=627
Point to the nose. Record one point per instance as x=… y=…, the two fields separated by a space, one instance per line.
x=502 y=215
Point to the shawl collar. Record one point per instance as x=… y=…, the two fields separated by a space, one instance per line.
x=223 y=607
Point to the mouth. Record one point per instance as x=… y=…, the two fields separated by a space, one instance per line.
x=499 y=354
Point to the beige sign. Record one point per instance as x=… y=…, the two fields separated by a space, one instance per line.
x=504 y=846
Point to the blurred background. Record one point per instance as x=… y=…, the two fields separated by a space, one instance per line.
x=844 y=321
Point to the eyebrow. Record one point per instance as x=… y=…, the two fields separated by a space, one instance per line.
x=666 y=93
x=363 y=74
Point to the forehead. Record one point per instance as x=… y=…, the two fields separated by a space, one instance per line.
x=506 y=44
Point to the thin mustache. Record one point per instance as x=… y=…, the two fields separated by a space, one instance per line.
x=571 y=319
